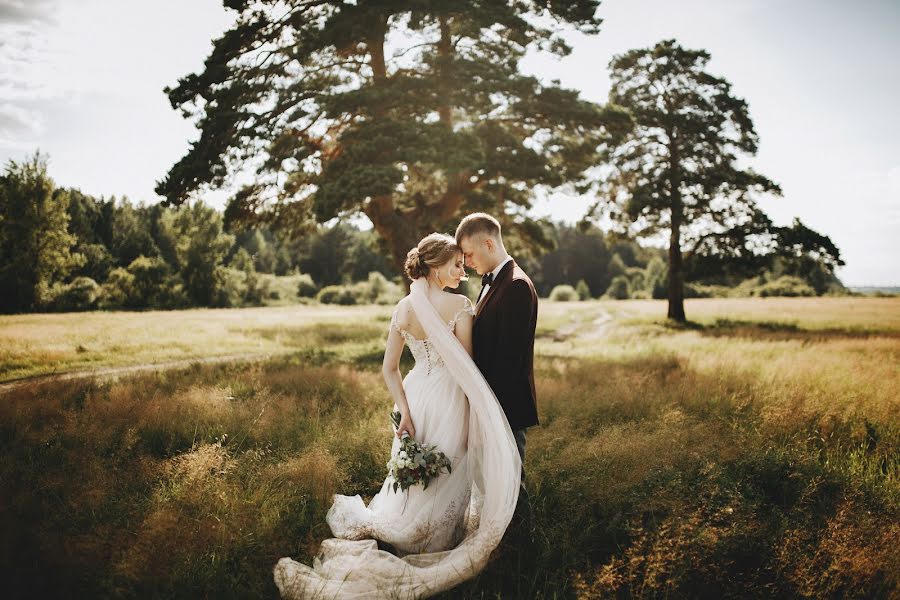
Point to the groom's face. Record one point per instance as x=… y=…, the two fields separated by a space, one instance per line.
x=477 y=253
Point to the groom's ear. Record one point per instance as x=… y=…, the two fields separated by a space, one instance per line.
x=489 y=242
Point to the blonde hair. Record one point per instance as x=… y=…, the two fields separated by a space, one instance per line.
x=476 y=223
x=432 y=251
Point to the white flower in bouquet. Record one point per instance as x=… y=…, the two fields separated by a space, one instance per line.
x=415 y=463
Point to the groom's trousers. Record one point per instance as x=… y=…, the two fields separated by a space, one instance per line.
x=522 y=515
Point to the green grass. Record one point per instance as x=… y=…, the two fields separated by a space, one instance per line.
x=755 y=453
x=40 y=344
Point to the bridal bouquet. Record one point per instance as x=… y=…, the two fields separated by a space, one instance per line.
x=415 y=462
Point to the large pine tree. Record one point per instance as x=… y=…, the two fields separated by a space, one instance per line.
x=405 y=111
x=676 y=172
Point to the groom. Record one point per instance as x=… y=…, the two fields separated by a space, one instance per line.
x=503 y=330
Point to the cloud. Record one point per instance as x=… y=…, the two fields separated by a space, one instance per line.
x=894 y=179
x=27 y=70
x=27 y=11
x=19 y=122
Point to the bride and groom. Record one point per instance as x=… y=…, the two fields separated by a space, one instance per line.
x=471 y=394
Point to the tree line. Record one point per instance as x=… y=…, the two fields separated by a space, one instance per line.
x=61 y=249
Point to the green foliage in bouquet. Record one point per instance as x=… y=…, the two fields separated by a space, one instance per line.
x=415 y=463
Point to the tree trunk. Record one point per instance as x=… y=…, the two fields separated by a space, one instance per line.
x=444 y=52
x=676 y=269
x=402 y=229
x=397 y=230
x=375 y=45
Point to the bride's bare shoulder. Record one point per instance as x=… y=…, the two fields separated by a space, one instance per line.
x=451 y=304
x=403 y=305
x=457 y=300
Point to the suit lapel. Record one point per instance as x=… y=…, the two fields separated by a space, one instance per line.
x=505 y=272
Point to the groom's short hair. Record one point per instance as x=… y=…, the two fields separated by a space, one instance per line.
x=476 y=223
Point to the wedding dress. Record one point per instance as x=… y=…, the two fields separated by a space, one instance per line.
x=444 y=534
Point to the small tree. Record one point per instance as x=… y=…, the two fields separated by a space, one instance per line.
x=563 y=293
x=35 y=244
x=676 y=173
x=200 y=247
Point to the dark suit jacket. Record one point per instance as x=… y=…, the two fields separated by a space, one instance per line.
x=503 y=343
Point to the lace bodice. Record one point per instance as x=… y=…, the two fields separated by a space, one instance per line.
x=422 y=350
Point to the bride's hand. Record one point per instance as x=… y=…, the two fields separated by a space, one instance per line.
x=406 y=424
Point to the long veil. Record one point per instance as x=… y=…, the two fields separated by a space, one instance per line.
x=358 y=569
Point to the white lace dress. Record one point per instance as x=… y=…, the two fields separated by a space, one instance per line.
x=445 y=534
x=419 y=520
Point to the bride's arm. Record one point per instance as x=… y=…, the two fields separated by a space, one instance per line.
x=464 y=332
x=390 y=370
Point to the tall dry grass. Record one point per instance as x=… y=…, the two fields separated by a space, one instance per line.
x=717 y=460
x=183 y=484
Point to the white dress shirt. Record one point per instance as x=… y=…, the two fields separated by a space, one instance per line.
x=487 y=288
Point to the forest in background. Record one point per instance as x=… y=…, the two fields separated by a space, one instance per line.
x=63 y=250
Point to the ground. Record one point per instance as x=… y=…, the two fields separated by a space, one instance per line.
x=752 y=452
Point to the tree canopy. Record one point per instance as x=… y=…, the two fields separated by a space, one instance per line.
x=408 y=112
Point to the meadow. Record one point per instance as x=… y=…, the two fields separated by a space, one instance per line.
x=754 y=452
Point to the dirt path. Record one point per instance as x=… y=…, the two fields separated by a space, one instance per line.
x=600 y=327
x=113 y=372
x=596 y=329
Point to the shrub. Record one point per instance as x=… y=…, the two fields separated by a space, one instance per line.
x=657 y=278
x=118 y=289
x=229 y=288
x=154 y=286
x=255 y=288
x=336 y=294
x=147 y=283
x=377 y=289
x=81 y=294
x=786 y=285
x=692 y=290
x=563 y=293
x=618 y=288
x=306 y=287
x=582 y=289
x=636 y=280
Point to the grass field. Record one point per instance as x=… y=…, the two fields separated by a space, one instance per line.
x=753 y=453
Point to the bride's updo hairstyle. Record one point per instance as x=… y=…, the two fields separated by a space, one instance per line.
x=434 y=250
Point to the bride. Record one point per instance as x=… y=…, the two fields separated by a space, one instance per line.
x=444 y=534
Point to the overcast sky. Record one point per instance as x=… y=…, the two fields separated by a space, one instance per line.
x=82 y=81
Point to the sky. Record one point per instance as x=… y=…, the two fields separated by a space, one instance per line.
x=82 y=81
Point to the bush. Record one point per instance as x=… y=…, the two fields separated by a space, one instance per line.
x=336 y=294
x=657 y=278
x=230 y=287
x=582 y=289
x=118 y=289
x=306 y=287
x=378 y=290
x=81 y=294
x=692 y=290
x=154 y=284
x=636 y=280
x=786 y=285
x=618 y=288
x=147 y=283
x=563 y=293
